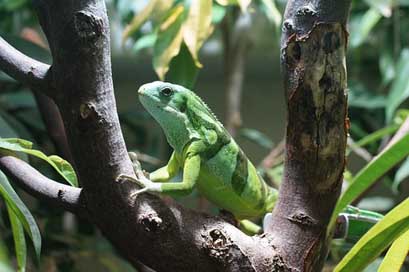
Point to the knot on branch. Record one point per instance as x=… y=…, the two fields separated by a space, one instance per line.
x=151 y=222
x=303 y=219
x=222 y=249
x=278 y=265
x=88 y=26
x=217 y=245
x=288 y=25
x=87 y=110
x=89 y=117
x=307 y=10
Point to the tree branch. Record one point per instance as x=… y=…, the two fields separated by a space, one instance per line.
x=163 y=236
x=23 y=68
x=40 y=186
x=313 y=49
x=236 y=45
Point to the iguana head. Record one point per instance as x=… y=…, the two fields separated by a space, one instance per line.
x=167 y=103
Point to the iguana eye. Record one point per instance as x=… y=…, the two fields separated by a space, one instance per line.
x=166 y=91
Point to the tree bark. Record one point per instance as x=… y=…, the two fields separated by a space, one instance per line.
x=166 y=236
x=313 y=49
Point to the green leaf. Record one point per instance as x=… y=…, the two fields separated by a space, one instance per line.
x=376 y=240
x=362 y=26
x=152 y=7
x=400 y=86
x=19 y=240
x=218 y=13
x=381 y=164
x=377 y=135
x=197 y=27
x=63 y=167
x=22 y=212
x=182 y=69
x=146 y=41
x=170 y=38
x=401 y=175
x=396 y=254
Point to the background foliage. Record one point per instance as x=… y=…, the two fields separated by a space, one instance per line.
x=172 y=40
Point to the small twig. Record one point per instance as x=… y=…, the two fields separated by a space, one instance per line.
x=275 y=155
x=54 y=124
x=41 y=187
x=24 y=69
x=403 y=130
x=361 y=152
x=236 y=47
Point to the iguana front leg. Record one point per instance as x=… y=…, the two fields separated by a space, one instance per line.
x=166 y=172
x=141 y=179
x=191 y=172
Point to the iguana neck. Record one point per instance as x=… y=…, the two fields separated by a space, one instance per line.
x=177 y=131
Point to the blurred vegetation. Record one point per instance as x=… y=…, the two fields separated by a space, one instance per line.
x=177 y=35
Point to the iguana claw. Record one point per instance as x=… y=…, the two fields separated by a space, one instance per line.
x=143 y=181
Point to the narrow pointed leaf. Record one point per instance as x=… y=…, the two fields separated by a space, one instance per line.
x=19 y=240
x=373 y=171
x=22 y=212
x=396 y=254
x=376 y=240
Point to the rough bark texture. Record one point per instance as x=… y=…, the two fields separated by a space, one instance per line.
x=165 y=236
x=313 y=62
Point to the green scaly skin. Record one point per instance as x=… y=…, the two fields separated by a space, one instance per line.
x=209 y=157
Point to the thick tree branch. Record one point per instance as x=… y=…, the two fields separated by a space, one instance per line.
x=163 y=236
x=23 y=68
x=313 y=49
x=40 y=186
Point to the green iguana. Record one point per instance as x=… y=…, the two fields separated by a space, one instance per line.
x=209 y=157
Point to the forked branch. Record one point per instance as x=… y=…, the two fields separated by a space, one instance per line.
x=41 y=187
x=24 y=69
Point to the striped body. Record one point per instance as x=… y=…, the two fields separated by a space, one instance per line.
x=209 y=157
x=230 y=181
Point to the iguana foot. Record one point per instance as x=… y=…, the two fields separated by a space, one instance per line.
x=141 y=179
